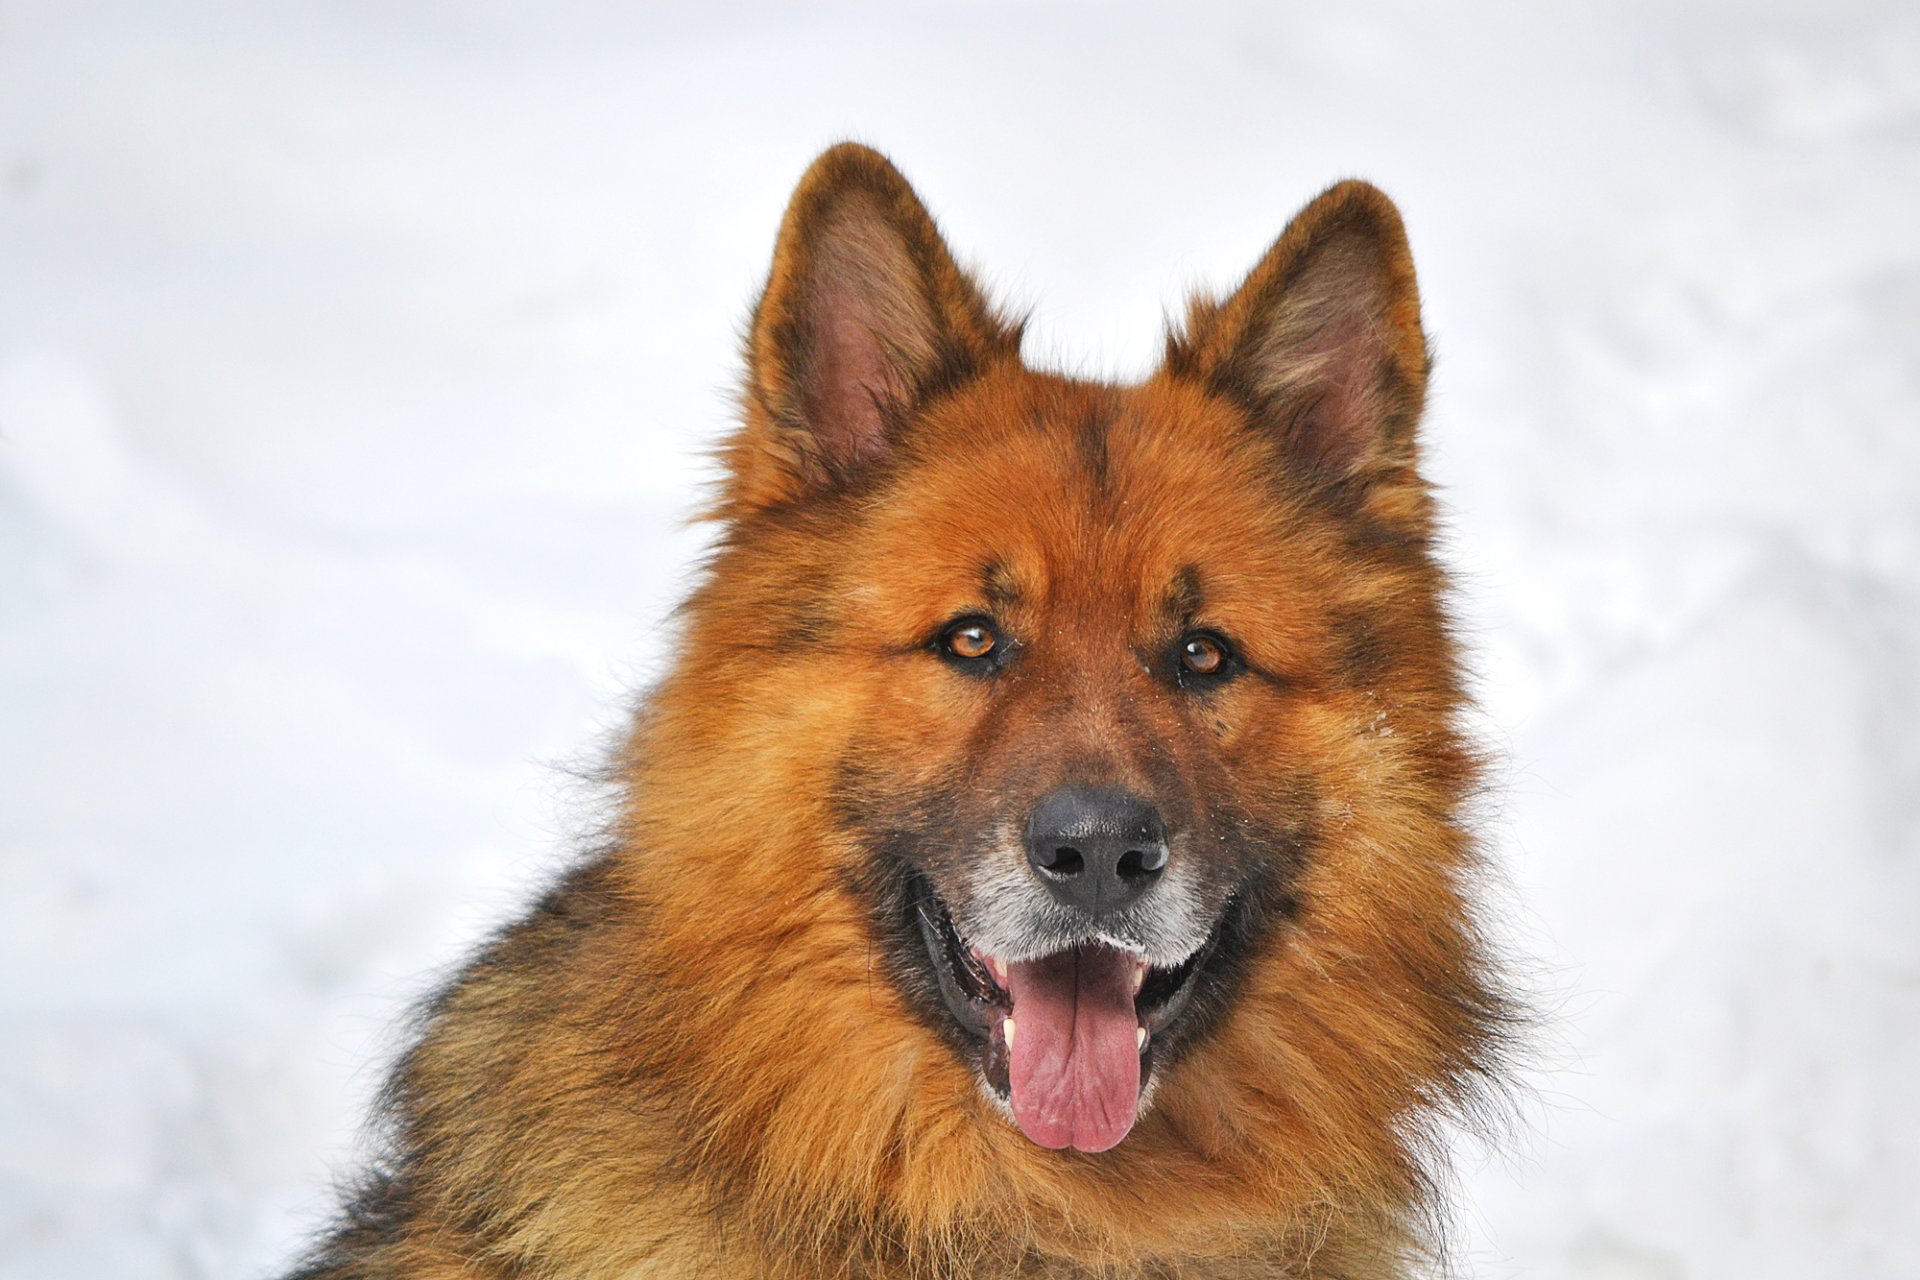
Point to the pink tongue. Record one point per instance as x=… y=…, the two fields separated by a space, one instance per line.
x=1075 y=1065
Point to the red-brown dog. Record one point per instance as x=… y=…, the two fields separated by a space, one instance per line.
x=1046 y=856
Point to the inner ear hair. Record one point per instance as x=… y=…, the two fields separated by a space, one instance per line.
x=865 y=333
x=865 y=314
x=1322 y=342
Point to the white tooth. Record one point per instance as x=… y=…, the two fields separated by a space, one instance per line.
x=1139 y=977
x=1006 y=1029
x=1000 y=970
x=1140 y=1038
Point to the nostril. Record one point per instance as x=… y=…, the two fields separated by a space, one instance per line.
x=1063 y=860
x=1136 y=864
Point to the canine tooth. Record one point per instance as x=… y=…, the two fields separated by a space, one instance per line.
x=1000 y=970
x=1139 y=977
x=1006 y=1030
x=1140 y=1037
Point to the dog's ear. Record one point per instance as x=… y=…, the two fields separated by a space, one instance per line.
x=1322 y=342
x=865 y=315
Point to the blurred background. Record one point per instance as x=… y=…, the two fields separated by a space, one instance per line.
x=357 y=363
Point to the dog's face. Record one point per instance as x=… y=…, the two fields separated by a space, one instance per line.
x=1089 y=672
x=1083 y=781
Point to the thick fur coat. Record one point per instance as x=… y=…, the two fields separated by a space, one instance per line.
x=728 y=1044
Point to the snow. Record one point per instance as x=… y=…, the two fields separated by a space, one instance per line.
x=356 y=363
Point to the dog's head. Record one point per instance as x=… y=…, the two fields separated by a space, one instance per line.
x=1123 y=714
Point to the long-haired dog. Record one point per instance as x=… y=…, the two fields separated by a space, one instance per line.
x=1047 y=855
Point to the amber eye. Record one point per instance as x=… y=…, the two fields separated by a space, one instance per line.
x=970 y=638
x=1203 y=654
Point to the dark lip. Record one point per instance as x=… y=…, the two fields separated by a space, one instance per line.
x=978 y=1005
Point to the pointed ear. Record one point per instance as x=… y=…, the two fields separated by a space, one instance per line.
x=864 y=316
x=1322 y=342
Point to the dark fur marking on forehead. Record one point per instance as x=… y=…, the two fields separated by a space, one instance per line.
x=1091 y=437
x=808 y=629
x=1184 y=597
x=998 y=587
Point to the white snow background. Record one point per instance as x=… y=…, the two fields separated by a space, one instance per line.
x=356 y=361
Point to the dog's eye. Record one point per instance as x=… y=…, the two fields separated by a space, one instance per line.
x=970 y=640
x=1203 y=656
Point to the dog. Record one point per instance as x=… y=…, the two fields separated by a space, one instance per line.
x=1049 y=853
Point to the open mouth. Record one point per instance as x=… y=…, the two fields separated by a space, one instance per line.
x=1067 y=1039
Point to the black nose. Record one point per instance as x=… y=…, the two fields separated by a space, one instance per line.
x=1096 y=850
